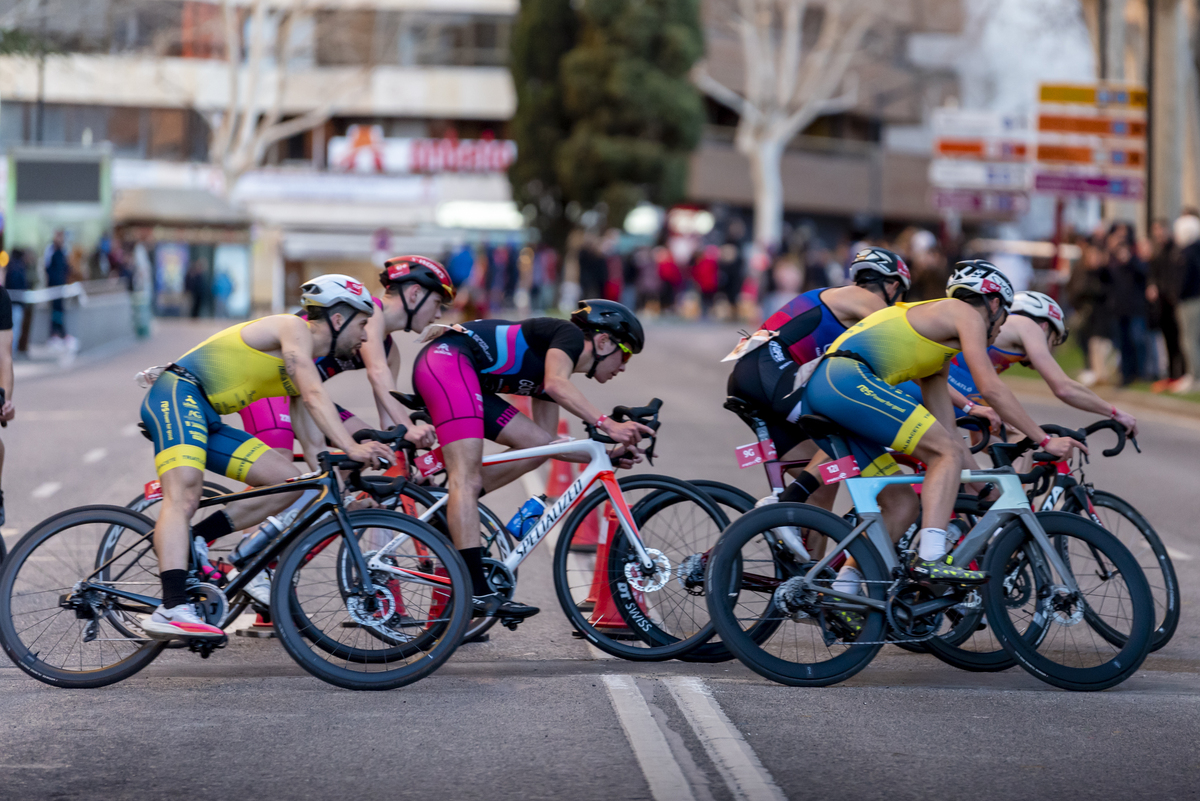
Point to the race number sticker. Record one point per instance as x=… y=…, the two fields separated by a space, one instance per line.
x=153 y=491
x=755 y=453
x=430 y=463
x=840 y=470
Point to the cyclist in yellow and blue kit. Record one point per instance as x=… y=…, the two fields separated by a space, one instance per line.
x=270 y=357
x=855 y=386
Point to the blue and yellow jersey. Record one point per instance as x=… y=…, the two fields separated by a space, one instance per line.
x=895 y=352
x=234 y=374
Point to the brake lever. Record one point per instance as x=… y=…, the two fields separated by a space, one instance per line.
x=1133 y=441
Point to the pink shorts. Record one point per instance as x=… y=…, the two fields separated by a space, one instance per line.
x=270 y=420
x=444 y=376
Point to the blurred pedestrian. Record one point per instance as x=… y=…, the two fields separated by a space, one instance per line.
x=1127 y=300
x=196 y=284
x=57 y=271
x=1088 y=291
x=707 y=275
x=16 y=279
x=593 y=268
x=1163 y=281
x=670 y=278
x=7 y=410
x=1187 y=239
x=787 y=279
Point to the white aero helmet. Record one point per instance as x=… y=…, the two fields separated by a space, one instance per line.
x=329 y=290
x=980 y=277
x=1039 y=306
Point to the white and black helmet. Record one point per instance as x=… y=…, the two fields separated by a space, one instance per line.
x=980 y=277
x=1039 y=306
x=883 y=262
x=329 y=290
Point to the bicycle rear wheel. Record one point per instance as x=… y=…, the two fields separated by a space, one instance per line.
x=807 y=647
x=1110 y=584
x=601 y=589
x=65 y=635
x=1123 y=521
x=402 y=632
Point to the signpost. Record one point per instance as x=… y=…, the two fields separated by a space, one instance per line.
x=980 y=164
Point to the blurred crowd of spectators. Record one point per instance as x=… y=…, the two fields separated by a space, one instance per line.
x=1136 y=303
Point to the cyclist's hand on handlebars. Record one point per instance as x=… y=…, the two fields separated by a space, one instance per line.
x=1062 y=446
x=422 y=435
x=627 y=433
x=624 y=457
x=989 y=414
x=372 y=454
x=1127 y=420
x=7 y=411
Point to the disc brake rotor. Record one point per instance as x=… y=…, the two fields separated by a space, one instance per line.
x=1065 y=608
x=656 y=580
x=376 y=611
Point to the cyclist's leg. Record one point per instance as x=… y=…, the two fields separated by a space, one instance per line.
x=243 y=457
x=505 y=425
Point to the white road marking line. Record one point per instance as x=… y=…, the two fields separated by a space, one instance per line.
x=739 y=766
x=658 y=764
x=46 y=490
x=129 y=430
x=1178 y=556
x=94 y=455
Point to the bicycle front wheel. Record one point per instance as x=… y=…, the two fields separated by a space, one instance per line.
x=806 y=644
x=602 y=589
x=1108 y=584
x=58 y=622
x=1119 y=518
x=400 y=632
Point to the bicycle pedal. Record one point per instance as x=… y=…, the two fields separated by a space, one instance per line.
x=205 y=647
x=510 y=623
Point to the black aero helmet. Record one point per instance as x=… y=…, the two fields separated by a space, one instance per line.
x=612 y=318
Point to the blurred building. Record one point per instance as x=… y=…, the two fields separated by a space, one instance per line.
x=410 y=98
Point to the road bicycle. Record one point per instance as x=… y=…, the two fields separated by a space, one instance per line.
x=73 y=593
x=1069 y=491
x=1047 y=571
x=638 y=593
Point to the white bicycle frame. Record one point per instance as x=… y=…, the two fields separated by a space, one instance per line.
x=599 y=468
x=1012 y=503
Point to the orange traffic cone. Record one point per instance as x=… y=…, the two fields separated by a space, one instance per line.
x=561 y=473
x=262 y=628
x=605 y=614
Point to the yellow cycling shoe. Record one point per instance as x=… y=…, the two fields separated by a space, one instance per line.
x=943 y=571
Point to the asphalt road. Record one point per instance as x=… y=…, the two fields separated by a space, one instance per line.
x=537 y=713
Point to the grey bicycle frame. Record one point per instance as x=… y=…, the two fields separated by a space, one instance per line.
x=1012 y=504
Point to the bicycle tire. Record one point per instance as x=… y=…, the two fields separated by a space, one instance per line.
x=727 y=583
x=654 y=643
x=21 y=652
x=1063 y=656
x=383 y=668
x=492 y=527
x=1166 y=595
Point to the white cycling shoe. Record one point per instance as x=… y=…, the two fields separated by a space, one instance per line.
x=179 y=622
x=259 y=589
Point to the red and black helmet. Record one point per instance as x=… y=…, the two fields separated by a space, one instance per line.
x=425 y=272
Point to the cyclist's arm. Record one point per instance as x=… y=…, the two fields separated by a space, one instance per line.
x=311 y=440
x=557 y=384
x=295 y=342
x=972 y=336
x=1065 y=388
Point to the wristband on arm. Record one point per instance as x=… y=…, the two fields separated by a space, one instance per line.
x=967 y=409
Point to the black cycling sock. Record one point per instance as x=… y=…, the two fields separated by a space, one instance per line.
x=213 y=527
x=474 y=559
x=174 y=584
x=799 y=490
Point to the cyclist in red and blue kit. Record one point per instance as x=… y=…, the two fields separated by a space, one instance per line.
x=458 y=376
x=765 y=378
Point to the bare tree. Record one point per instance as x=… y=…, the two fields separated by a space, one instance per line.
x=796 y=55
x=247 y=127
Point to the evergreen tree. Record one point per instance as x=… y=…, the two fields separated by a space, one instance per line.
x=606 y=116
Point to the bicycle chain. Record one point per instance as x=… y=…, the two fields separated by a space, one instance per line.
x=891 y=583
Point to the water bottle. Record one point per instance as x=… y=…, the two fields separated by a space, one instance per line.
x=269 y=530
x=527 y=516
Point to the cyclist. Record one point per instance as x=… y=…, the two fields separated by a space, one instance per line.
x=269 y=357
x=462 y=370
x=1034 y=327
x=855 y=385
x=765 y=378
x=409 y=283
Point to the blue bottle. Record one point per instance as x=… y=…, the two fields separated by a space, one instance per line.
x=527 y=516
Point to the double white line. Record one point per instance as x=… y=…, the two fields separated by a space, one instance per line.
x=737 y=763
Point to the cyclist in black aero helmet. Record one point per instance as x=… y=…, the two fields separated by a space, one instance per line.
x=465 y=368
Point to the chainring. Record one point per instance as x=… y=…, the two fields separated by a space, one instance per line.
x=902 y=623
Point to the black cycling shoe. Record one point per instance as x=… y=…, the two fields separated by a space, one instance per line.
x=494 y=604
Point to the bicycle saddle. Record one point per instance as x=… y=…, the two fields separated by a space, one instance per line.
x=819 y=426
x=410 y=401
x=743 y=411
